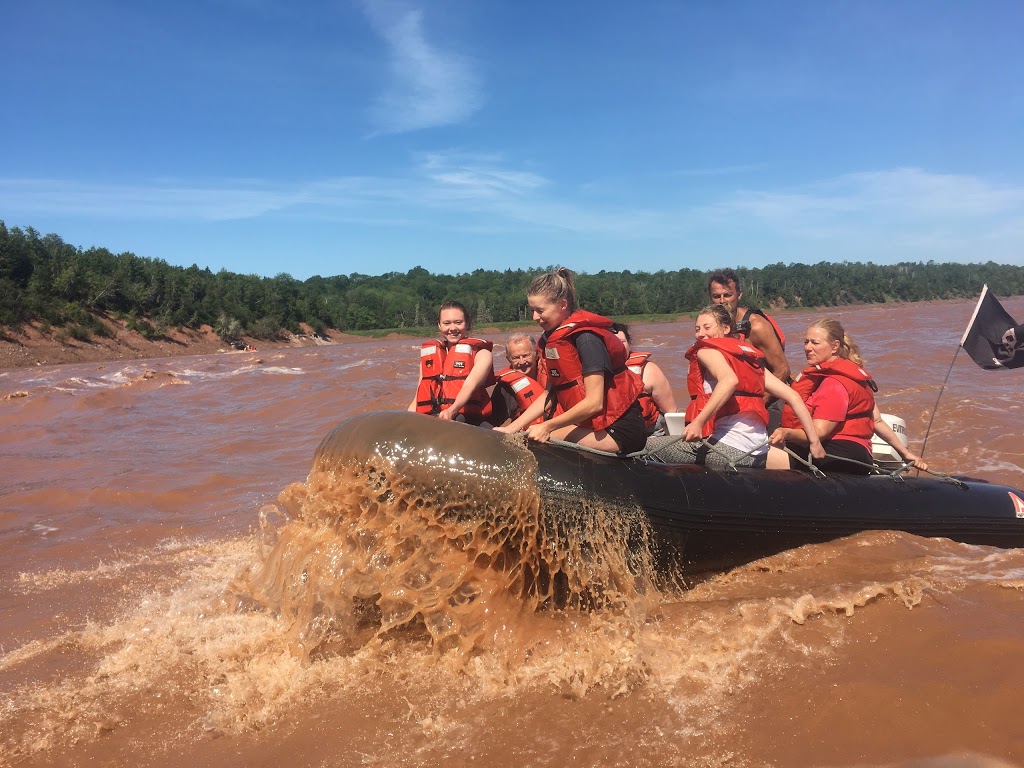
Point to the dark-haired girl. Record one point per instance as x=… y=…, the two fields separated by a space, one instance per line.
x=455 y=370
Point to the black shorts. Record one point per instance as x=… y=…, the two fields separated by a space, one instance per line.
x=629 y=430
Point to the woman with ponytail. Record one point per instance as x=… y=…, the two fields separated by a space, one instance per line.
x=726 y=421
x=582 y=366
x=839 y=393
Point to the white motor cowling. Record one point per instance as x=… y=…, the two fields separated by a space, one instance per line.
x=881 y=451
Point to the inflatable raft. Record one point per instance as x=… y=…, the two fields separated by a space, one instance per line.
x=706 y=519
x=699 y=519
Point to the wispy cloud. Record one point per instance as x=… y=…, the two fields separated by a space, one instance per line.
x=900 y=213
x=907 y=212
x=473 y=175
x=445 y=189
x=503 y=198
x=895 y=193
x=429 y=87
x=165 y=199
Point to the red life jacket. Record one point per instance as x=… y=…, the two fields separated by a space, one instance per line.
x=636 y=363
x=560 y=370
x=747 y=362
x=443 y=371
x=860 y=414
x=524 y=389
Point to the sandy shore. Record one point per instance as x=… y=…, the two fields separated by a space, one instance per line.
x=27 y=346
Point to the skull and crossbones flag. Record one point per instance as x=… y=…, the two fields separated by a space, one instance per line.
x=993 y=339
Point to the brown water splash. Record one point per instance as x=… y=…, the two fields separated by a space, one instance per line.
x=409 y=525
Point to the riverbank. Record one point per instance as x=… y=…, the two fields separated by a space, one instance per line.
x=29 y=346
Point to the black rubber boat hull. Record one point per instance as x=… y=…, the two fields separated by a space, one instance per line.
x=706 y=519
x=699 y=519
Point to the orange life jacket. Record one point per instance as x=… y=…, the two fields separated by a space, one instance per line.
x=636 y=363
x=443 y=371
x=523 y=388
x=747 y=362
x=560 y=370
x=860 y=415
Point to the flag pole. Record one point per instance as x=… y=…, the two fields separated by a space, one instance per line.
x=936 y=408
x=970 y=324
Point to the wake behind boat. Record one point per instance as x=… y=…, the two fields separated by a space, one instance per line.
x=698 y=518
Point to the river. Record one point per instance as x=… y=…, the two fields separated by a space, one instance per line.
x=133 y=496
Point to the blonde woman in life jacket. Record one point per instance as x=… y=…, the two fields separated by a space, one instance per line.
x=727 y=382
x=839 y=393
x=582 y=367
x=455 y=371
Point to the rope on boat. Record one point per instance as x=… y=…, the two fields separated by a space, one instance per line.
x=806 y=462
x=653 y=455
x=731 y=463
x=588 y=449
x=895 y=474
x=645 y=454
x=943 y=476
x=873 y=467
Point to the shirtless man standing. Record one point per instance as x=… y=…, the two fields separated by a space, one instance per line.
x=757 y=327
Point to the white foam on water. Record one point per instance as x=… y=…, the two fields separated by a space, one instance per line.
x=277 y=370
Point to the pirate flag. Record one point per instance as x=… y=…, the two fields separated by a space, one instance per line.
x=993 y=339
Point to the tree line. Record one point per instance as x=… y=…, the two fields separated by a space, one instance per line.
x=45 y=280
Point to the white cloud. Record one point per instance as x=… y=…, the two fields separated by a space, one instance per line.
x=238 y=199
x=429 y=87
x=477 y=175
x=901 y=193
x=901 y=214
x=920 y=193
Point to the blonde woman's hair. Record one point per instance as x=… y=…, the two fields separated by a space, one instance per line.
x=555 y=286
x=722 y=317
x=835 y=332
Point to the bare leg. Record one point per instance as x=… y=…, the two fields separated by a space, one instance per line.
x=777 y=459
x=588 y=438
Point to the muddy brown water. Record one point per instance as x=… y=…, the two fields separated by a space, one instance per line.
x=141 y=506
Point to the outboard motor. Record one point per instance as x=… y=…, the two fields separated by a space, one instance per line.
x=884 y=453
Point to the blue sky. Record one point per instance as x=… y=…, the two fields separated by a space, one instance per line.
x=370 y=136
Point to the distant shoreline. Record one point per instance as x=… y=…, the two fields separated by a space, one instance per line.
x=28 y=347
